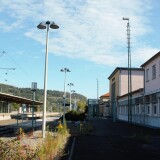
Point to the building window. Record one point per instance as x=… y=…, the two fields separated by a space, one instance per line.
x=147 y=99
x=147 y=75
x=138 y=110
x=154 y=109
x=142 y=110
x=120 y=110
x=123 y=109
x=133 y=109
x=125 y=112
x=148 y=109
x=153 y=71
x=154 y=97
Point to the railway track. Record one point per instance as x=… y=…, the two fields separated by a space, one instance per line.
x=9 y=128
x=6 y=131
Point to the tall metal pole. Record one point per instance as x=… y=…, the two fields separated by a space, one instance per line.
x=33 y=118
x=70 y=100
x=129 y=74
x=97 y=99
x=46 y=25
x=70 y=85
x=72 y=91
x=45 y=84
x=65 y=70
x=64 y=98
x=97 y=88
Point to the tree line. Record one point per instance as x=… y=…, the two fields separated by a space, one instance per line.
x=54 y=98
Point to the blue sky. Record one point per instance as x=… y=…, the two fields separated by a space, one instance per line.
x=90 y=41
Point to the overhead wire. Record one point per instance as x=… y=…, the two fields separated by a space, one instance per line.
x=19 y=67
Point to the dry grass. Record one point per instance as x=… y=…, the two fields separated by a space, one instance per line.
x=33 y=146
x=53 y=144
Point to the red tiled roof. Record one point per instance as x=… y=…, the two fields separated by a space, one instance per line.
x=105 y=95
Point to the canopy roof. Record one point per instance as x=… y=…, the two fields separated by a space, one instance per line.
x=17 y=99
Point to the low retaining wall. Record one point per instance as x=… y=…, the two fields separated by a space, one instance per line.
x=4 y=116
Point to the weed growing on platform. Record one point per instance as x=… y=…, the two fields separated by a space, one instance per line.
x=53 y=144
x=20 y=133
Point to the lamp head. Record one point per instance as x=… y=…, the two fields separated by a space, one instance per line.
x=62 y=70
x=41 y=26
x=54 y=26
x=125 y=18
x=70 y=84
x=67 y=70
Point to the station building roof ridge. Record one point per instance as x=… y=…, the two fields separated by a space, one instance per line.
x=123 y=68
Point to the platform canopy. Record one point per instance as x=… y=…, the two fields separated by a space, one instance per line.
x=17 y=99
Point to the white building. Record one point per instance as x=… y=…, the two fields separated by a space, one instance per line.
x=152 y=90
x=119 y=85
x=145 y=102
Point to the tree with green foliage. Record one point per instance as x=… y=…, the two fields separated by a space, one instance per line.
x=81 y=106
x=15 y=106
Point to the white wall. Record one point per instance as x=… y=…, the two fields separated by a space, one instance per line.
x=153 y=84
x=137 y=81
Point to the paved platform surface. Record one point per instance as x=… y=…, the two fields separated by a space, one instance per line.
x=117 y=141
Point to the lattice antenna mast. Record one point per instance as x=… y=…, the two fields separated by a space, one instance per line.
x=129 y=72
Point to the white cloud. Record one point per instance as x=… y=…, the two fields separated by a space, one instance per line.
x=89 y=29
x=141 y=55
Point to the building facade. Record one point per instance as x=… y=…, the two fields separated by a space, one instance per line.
x=119 y=85
x=104 y=109
x=152 y=90
x=136 y=103
x=145 y=102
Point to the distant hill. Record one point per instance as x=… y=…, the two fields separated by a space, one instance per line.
x=54 y=98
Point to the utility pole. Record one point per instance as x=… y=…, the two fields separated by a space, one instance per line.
x=97 y=88
x=97 y=98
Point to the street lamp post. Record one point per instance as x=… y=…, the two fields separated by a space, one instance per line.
x=33 y=89
x=129 y=73
x=65 y=70
x=72 y=91
x=46 y=25
x=75 y=102
x=70 y=85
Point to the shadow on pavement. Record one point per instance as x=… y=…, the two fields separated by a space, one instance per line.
x=106 y=140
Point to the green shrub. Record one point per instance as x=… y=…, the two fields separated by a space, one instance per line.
x=75 y=116
x=52 y=144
